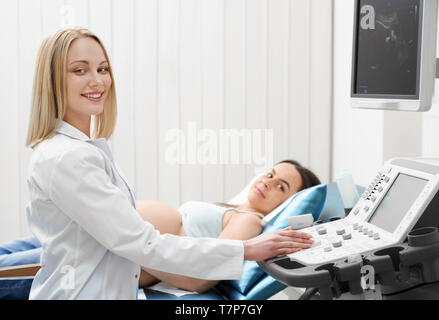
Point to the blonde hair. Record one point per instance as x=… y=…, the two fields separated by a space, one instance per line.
x=50 y=91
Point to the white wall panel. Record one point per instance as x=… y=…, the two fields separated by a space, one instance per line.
x=213 y=83
x=29 y=39
x=168 y=102
x=100 y=22
x=123 y=139
x=190 y=92
x=256 y=84
x=210 y=66
x=235 y=89
x=300 y=90
x=278 y=76
x=11 y=144
x=320 y=109
x=81 y=12
x=145 y=84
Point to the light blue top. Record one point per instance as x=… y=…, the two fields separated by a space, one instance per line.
x=205 y=220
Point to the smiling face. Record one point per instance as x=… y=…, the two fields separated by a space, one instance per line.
x=88 y=82
x=273 y=188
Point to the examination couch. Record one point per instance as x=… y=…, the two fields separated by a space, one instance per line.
x=323 y=202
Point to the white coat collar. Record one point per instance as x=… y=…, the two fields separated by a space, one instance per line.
x=72 y=132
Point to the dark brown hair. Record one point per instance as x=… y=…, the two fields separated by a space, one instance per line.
x=309 y=179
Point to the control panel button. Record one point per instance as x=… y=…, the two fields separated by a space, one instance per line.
x=376 y=236
x=341 y=231
x=355 y=226
x=327 y=249
x=336 y=244
x=322 y=231
x=366 y=208
x=347 y=236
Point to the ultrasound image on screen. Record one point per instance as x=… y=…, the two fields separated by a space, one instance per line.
x=387 y=47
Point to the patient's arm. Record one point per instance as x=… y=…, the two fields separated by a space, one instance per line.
x=240 y=227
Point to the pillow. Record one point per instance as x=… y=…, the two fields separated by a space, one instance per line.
x=311 y=201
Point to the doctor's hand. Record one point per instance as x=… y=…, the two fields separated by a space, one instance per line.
x=279 y=242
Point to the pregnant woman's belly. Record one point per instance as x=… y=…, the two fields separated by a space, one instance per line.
x=165 y=218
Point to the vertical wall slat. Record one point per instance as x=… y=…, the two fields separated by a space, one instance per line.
x=168 y=100
x=299 y=80
x=100 y=23
x=191 y=112
x=9 y=125
x=51 y=15
x=321 y=89
x=81 y=12
x=256 y=86
x=29 y=39
x=234 y=91
x=278 y=61
x=213 y=93
x=145 y=98
x=123 y=139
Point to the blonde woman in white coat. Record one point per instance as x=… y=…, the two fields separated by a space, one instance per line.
x=81 y=208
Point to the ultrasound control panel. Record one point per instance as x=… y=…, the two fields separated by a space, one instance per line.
x=386 y=212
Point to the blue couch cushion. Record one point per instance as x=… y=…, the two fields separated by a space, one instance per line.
x=311 y=201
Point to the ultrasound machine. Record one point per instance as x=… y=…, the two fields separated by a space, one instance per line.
x=387 y=246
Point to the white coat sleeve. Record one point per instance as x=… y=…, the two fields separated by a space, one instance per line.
x=82 y=189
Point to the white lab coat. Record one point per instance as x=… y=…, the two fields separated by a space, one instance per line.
x=83 y=212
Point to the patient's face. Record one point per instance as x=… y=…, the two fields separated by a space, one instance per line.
x=273 y=188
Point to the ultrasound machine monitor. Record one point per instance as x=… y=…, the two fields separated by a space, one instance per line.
x=394 y=54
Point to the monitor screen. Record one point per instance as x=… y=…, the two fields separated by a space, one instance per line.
x=397 y=202
x=387 y=48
